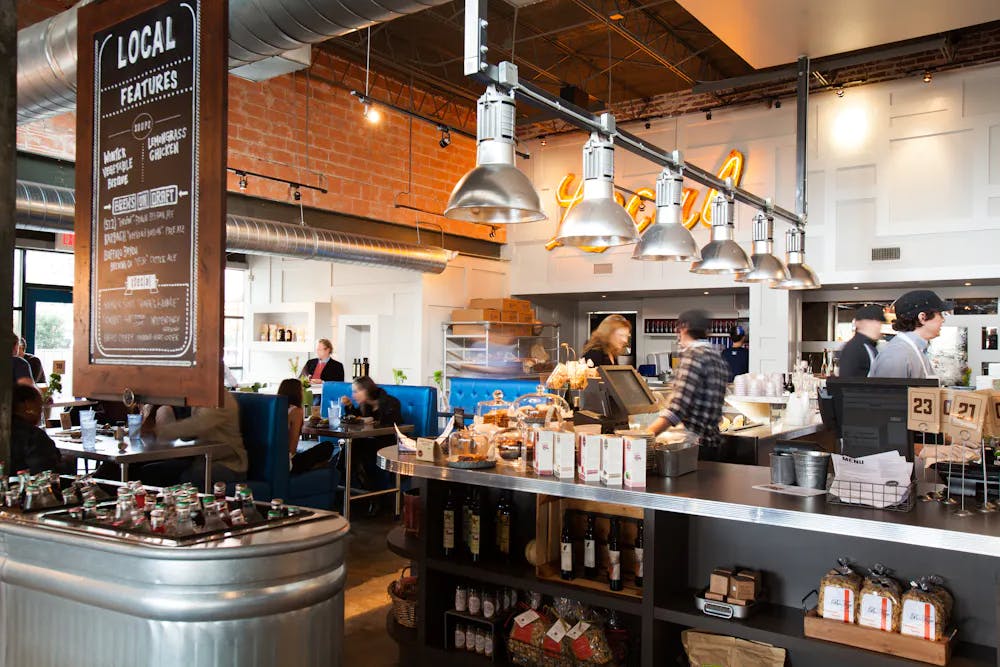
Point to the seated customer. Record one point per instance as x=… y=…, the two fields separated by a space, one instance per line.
x=318 y=454
x=370 y=400
x=21 y=368
x=30 y=447
x=214 y=425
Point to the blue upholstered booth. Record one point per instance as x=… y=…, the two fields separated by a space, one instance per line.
x=467 y=392
x=418 y=405
x=264 y=425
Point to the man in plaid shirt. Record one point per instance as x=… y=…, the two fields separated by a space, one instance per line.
x=699 y=386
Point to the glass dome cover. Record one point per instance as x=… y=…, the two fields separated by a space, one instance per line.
x=541 y=408
x=495 y=412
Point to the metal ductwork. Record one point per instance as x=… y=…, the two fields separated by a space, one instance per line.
x=258 y=29
x=48 y=208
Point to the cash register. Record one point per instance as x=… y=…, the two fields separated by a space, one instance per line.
x=619 y=392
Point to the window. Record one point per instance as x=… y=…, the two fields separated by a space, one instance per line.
x=18 y=291
x=234 y=321
x=45 y=267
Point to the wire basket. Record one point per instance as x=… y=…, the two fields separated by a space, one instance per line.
x=403 y=593
x=892 y=496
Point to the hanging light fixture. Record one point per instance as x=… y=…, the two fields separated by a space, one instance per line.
x=667 y=239
x=766 y=268
x=801 y=277
x=598 y=220
x=495 y=192
x=722 y=255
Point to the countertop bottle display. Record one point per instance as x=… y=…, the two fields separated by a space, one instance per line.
x=614 y=558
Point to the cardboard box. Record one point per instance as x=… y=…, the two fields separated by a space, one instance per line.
x=924 y=409
x=718 y=597
x=565 y=454
x=612 y=460
x=589 y=467
x=742 y=587
x=469 y=330
x=426 y=449
x=517 y=305
x=475 y=315
x=718 y=583
x=526 y=318
x=758 y=580
x=545 y=447
x=634 y=473
x=509 y=316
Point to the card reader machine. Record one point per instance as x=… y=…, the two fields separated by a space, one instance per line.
x=609 y=401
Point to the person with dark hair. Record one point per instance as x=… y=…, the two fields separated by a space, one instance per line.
x=21 y=368
x=37 y=372
x=318 y=454
x=919 y=318
x=859 y=353
x=699 y=387
x=30 y=447
x=737 y=356
x=371 y=400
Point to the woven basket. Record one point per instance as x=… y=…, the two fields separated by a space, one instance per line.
x=404 y=601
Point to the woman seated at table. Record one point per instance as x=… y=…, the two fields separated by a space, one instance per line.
x=30 y=447
x=370 y=400
x=317 y=455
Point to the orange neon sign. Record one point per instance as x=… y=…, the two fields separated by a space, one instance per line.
x=732 y=167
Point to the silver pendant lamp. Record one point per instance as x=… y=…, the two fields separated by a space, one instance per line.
x=667 y=239
x=722 y=255
x=495 y=192
x=766 y=268
x=801 y=277
x=598 y=220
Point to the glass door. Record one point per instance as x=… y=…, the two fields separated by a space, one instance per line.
x=48 y=328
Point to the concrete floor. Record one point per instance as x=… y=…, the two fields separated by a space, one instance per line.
x=370 y=569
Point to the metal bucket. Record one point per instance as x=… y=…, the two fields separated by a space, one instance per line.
x=782 y=469
x=811 y=469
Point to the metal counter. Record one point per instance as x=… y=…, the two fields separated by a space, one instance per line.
x=723 y=491
x=76 y=595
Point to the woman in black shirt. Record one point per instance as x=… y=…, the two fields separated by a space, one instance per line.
x=608 y=340
x=371 y=400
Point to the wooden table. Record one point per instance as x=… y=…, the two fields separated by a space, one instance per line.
x=348 y=434
x=142 y=451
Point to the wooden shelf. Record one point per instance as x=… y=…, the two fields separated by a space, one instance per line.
x=783 y=627
x=401 y=544
x=275 y=346
x=523 y=577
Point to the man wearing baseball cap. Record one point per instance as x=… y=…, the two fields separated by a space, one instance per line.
x=858 y=354
x=919 y=317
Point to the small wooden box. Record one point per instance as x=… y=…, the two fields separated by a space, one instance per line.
x=742 y=587
x=718 y=583
x=889 y=643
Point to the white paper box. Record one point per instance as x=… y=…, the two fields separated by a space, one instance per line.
x=635 y=462
x=612 y=453
x=565 y=454
x=545 y=447
x=589 y=467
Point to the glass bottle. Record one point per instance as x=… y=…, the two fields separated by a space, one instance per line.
x=504 y=521
x=589 y=550
x=236 y=518
x=614 y=559
x=89 y=509
x=640 y=542
x=489 y=605
x=137 y=520
x=488 y=644
x=566 y=550
x=250 y=512
x=46 y=498
x=56 y=484
x=32 y=500
x=461 y=598
x=475 y=602
x=475 y=528
x=157 y=521
x=470 y=639
x=184 y=526
x=4 y=482
x=459 y=637
x=466 y=517
x=480 y=641
x=213 y=521
x=448 y=531
x=219 y=491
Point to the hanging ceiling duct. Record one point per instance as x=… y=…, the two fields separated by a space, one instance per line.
x=258 y=29
x=48 y=208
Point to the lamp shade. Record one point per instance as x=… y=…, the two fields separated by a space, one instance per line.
x=667 y=239
x=801 y=276
x=598 y=220
x=495 y=191
x=722 y=255
x=765 y=267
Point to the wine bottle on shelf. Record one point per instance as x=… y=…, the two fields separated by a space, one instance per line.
x=640 y=543
x=448 y=536
x=476 y=528
x=466 y=518
x=365 y=367
x=589 y=550
x=614 y=558
x=505 y=517
x=566 y=550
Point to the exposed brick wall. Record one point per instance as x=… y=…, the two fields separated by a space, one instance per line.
x=977 y=46
x=311 y=130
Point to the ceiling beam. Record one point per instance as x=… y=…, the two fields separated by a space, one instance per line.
x=711 y=69
x=786 y=72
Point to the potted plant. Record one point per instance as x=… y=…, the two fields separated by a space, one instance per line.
x=399 y=375
x=51 y=389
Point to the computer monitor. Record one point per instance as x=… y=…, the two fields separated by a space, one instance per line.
x=627 y=388
x=869 y=414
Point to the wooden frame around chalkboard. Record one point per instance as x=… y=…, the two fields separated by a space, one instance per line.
x=201 y=384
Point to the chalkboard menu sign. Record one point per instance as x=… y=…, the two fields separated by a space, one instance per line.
x=150 y=203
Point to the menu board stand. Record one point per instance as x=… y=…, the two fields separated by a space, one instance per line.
x=150 y=207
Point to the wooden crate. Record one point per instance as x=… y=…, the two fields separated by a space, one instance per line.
x=890 y=643
x=548 y=533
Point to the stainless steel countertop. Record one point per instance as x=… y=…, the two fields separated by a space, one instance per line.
x=723 y=491
x=776 y=430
